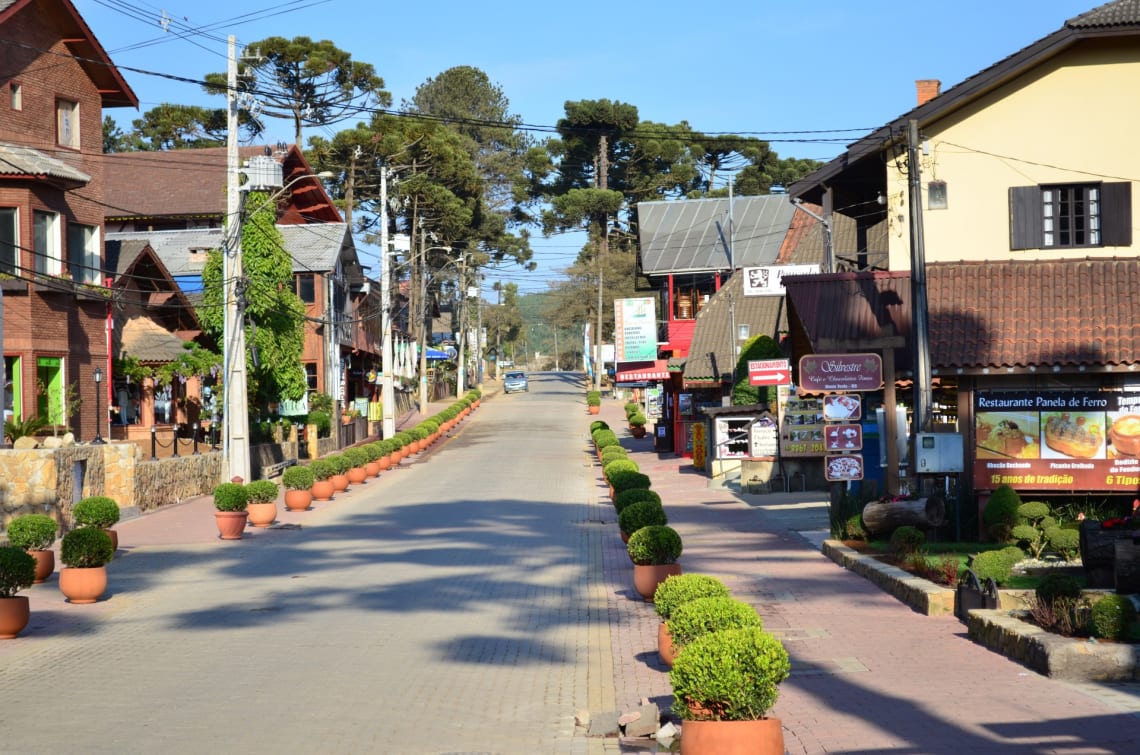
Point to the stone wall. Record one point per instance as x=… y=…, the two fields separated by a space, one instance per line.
x=36 y=481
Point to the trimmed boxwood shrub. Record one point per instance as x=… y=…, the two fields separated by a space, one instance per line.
x=87 y=547
x=1053 y=586
x=340 y=463
x=604 y=438
x=619 y=465
x=322 y=469
x=1064 y=540
x=907 y=539
x=297 y=478
x=628 y=480
x=230 y=496
x=1111 y=616
x=96 y=511
x=700 y=616
x=627 y=498
x=261 y=491
x=731 y=675
x=356 y=457
x=594 y=398
x=598 y=425
x=654 y=545
x=32 y=532
x=637 y=420
x=996 y=564
x=643 y=514
x=1032 y=512
x=17 y=570
x=681 y=588
x=613 y=453
x=1000 y=514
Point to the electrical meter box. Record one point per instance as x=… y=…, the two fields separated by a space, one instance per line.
x=938 y=453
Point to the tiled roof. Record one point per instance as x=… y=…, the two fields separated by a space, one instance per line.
x=23 y=161
x=981 y=315
x=712 y=353
x=314 y=248
x=1119 y=13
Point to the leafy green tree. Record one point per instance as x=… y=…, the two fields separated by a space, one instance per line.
x=503 y=320
x=743 y=394
x=306 y=82
x=274 y=314
x=114 y=138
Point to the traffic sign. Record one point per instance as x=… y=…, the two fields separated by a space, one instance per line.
x=769 y=372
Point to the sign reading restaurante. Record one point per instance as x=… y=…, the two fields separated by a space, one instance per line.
x=1053 y=440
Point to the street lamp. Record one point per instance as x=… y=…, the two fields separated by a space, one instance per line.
x=98 y=439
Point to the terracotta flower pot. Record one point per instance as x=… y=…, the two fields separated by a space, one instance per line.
x=84 y=585
x=384 y=462
x=595 y=410
x=357 y=476
x=114 y=537
x=637 y=431
x=339 y=482
x=231 y=524
x=45 y=564
x=647 y=577
x=762 y=737
x=298 y=500
x=372 y=468
x=262 y=514
x=14 y=615
x=323 y=490
x=665 y=649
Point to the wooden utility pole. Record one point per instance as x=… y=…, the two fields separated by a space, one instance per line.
x=602 y=182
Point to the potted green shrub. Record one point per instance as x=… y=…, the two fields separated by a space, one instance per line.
x=356 y=459
x=230 y=502
x=261 y=502
x=341 y=465
x=640 y=514
x=17 y=571
x=323 y=472
x=654 y=550
x=637 y=425
x=85 y=553
x=98 y=511
x=371 y=458
x=35 y=534
x=619 y=465
x=298 y=481
x=675 y=591
x=700 y=616
x=723 y=685
x=628 y=481
x=627 y=498
x=594 y=401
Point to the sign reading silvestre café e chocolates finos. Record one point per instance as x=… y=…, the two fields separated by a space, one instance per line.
x=840 y=372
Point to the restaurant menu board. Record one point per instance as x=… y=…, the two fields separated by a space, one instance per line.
x=844 y=437
x=764 y=437
x=801 y=427
x=1051 y=440
x=843 y=468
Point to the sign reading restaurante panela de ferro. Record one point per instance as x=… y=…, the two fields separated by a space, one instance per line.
x=1052 y=440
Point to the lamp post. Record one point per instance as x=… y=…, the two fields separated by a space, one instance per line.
x=98 y=439
x=425 y=318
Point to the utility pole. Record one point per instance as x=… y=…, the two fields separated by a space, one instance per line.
x=922 y=378
x=479 y=333
x=387 y=392
x=499 y=331
x=603 y=249
x=425 y=321
x=236 y=439
x=460 y=366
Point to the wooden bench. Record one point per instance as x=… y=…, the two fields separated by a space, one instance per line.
x=273 y=470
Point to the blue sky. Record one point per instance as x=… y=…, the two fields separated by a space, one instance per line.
x=809 y=77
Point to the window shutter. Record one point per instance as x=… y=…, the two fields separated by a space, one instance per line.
x=1025 y=218
x=1116 y=214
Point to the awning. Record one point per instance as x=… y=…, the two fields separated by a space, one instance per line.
x=436 y=354
x=635 y=371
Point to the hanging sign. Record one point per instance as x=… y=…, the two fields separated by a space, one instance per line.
x=827 y=373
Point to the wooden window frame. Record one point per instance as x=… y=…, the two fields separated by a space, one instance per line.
x=1111 y=219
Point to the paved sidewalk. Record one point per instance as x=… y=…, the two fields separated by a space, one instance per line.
x=869 y=675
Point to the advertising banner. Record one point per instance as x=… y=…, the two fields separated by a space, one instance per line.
x=635 y=330
x=801 y=426
x=1051 y=440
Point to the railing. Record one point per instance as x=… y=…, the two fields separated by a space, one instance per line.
x=192 y=441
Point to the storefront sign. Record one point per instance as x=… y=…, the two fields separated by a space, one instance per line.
x=825 y=373
x=769 y=280
x=843 y=438
x=801 y=426
x=1047 y=440
x=769 y=372
x=765 y=438
x=635 y=330
x=843 y=468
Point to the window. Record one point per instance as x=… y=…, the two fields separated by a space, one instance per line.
x=311 y=376
x=12 y=392
x=9 y=241
x=1070 y=216
x=67 y=123
x=306 y=288
x=47 y=249
x=83 y=253
x=15 y=96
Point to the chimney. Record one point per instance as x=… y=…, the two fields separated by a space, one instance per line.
x=927 y=89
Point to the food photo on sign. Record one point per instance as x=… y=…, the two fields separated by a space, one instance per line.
x=1008 y=435
x=840 y=408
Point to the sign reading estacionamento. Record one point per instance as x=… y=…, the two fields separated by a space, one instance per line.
x=769 y=372
x=828 y=373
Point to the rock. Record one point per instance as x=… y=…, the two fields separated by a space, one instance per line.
x=68 y=440
x=53 y=441
x=25 y=443
x=646 y=723
x=627 y=718
x=582 y=718
x=666 y=732
x=604 y=724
